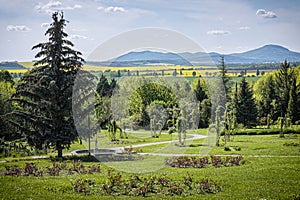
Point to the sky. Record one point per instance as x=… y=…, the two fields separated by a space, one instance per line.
x=215 y=25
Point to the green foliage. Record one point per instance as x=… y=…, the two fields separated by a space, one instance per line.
x=246 y=108
x=204 y=104
x=6 y=77
x=44 y=94
x=277 y=94
x=223 y=74
x=143 y=96
x=10 y=141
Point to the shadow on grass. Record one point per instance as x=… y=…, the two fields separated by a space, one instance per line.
x=198 y=145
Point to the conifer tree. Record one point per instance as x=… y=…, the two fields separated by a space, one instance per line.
x=225 y=78
x=45 y=93
x=246 y=108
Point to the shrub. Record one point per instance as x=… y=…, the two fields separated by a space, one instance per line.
x=31 y=169
x=54 y=170
x=206 y=186
x=294 y=144
x=194 y=162
x=217 y=161
x=141 y=186
x=83 y=185
x=13 y=170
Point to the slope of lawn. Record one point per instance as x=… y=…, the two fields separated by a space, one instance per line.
x=260 y=177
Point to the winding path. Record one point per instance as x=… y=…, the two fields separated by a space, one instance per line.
x=194 y=137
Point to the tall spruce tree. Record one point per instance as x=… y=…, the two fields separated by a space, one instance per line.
x=223 y=74
x=246 y=108
x=293 y=103
x=45 y=93
x=283 y=76
x=204 y=105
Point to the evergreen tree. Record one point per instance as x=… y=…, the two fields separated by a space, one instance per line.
x=293 y=104
x=44 y=94
x=205 y=113
x=104 y=88
x=283 y=76
x=199 y=91
x=225 y=78
x=246 y=108
x=204 y=105
x=6 y=106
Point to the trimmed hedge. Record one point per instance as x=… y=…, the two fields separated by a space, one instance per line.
x=264 y=131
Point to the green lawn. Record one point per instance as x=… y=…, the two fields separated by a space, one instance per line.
x=271 y=145
x=261 y=177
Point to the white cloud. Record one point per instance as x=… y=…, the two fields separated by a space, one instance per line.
x=78 y=37
x=112 y=9
x=265 y=14
x=218 y=32
x=77 y=6
x=21 y=28
x=244 y=28
x=45 y=25
x=53 y=6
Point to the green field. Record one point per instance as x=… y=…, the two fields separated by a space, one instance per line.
x=270 y=171
x=182 y=71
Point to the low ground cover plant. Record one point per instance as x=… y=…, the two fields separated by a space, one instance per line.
x=136 y=185
x=57 y=168
x=201 y=162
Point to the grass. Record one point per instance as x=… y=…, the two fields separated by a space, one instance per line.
x=274 y=177
x=271 y=145
x=136 y=137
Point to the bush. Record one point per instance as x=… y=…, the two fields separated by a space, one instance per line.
x=54 y=170
x=194 y=162
x=141 y=186
x=83 y=186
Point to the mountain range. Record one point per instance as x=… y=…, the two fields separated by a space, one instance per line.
x=266 y=54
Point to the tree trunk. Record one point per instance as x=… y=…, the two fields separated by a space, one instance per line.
x=59 y=150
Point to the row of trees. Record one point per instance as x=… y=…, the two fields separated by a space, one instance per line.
x=272 y=99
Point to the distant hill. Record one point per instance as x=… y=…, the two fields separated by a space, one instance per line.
x=265 y=54
x=10 y=65
x=150 y=57
x=269 y=53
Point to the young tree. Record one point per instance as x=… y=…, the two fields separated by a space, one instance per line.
x=181 y=129
x=283 y=76
x=104 y=91
x=44 y=94
x=225 y=78
x=204 y=105
x=293 y=104
x=246 y=108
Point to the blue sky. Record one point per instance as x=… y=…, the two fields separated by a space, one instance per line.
x=215 y=25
